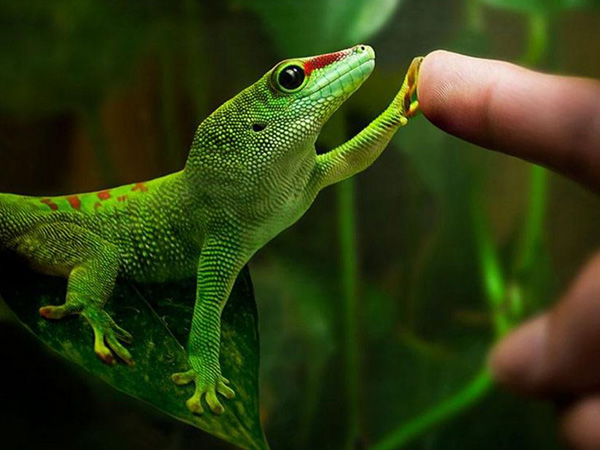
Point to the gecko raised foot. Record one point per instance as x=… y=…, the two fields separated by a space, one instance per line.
x=207 y=385
x=411 y=104
x=107 y=334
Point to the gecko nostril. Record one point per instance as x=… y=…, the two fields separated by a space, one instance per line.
x=258 y=126
x=361 y=48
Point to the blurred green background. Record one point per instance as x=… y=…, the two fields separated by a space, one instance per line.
x=378 y=308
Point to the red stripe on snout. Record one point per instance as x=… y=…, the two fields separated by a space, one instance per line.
x=318 y=62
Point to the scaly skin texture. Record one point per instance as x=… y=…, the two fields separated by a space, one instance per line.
x=252 y=172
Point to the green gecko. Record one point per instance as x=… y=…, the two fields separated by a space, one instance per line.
x=252 y=171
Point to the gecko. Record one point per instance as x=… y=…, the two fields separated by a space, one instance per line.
x=252 y=171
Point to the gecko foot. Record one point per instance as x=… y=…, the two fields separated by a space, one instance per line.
x=107 y=334
x=207 y=385
x=405 y=104
x=411 y=104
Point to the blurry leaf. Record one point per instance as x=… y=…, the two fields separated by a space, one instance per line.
x=5 y=314
x=424 y=145
x=298 y=317
x=159 y=332
x=380 y=311
x=542 y=6
x=64 y=54
x=318 y=26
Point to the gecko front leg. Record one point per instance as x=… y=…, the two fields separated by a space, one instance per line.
x=220 y=262
x=363 y=149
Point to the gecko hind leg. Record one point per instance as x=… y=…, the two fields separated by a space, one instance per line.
x=107 y=334
x=91 y=266
x=90 y=285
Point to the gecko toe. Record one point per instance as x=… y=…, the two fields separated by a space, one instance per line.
x=121 y=351
x=213 y=402
x=225 y=391
x=103 y=352
x=121 y=334
x=107 y=335
x=57 y=312
x=194 y=404
x=183 y=378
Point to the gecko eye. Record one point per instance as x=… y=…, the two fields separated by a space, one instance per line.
x=289 y=78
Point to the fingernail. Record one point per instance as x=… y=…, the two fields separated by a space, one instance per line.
x=517 y=360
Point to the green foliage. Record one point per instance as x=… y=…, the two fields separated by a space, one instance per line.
x=542 y=6
x=63 y=55
x=319 y=26
x=447 y=240
x=159 y=317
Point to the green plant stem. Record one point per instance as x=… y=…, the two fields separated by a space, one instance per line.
x=490 y=268
x=474 y=15
x=349 y=281
x=537 y=47
x=534 y=223
x=537 y=42
x=466 y=397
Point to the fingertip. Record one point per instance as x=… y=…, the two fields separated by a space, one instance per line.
x=454 y=91
x=518 y=360
x=580 y=425
x=547 y=119
x=435 y=82
x=450 y=87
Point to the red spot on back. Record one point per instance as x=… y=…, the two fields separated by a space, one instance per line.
x=103 y=195
x=318 y=62
x=74 y=201
x=140 y=187
x=97 y=205
x=121 y=198
x=47 y=201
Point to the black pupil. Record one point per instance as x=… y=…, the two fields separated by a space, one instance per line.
x=291 y=77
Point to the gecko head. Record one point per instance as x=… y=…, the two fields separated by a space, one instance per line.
x=280 y=116
x=299 y=95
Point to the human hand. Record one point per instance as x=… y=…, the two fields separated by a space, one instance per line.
x=553 y=121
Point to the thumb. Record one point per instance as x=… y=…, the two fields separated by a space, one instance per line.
x=559 y=351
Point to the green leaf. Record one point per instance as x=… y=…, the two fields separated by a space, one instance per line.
x=159 y=317
x=318 y=26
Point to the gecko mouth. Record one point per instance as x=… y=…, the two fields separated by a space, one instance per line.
x=343 y=78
